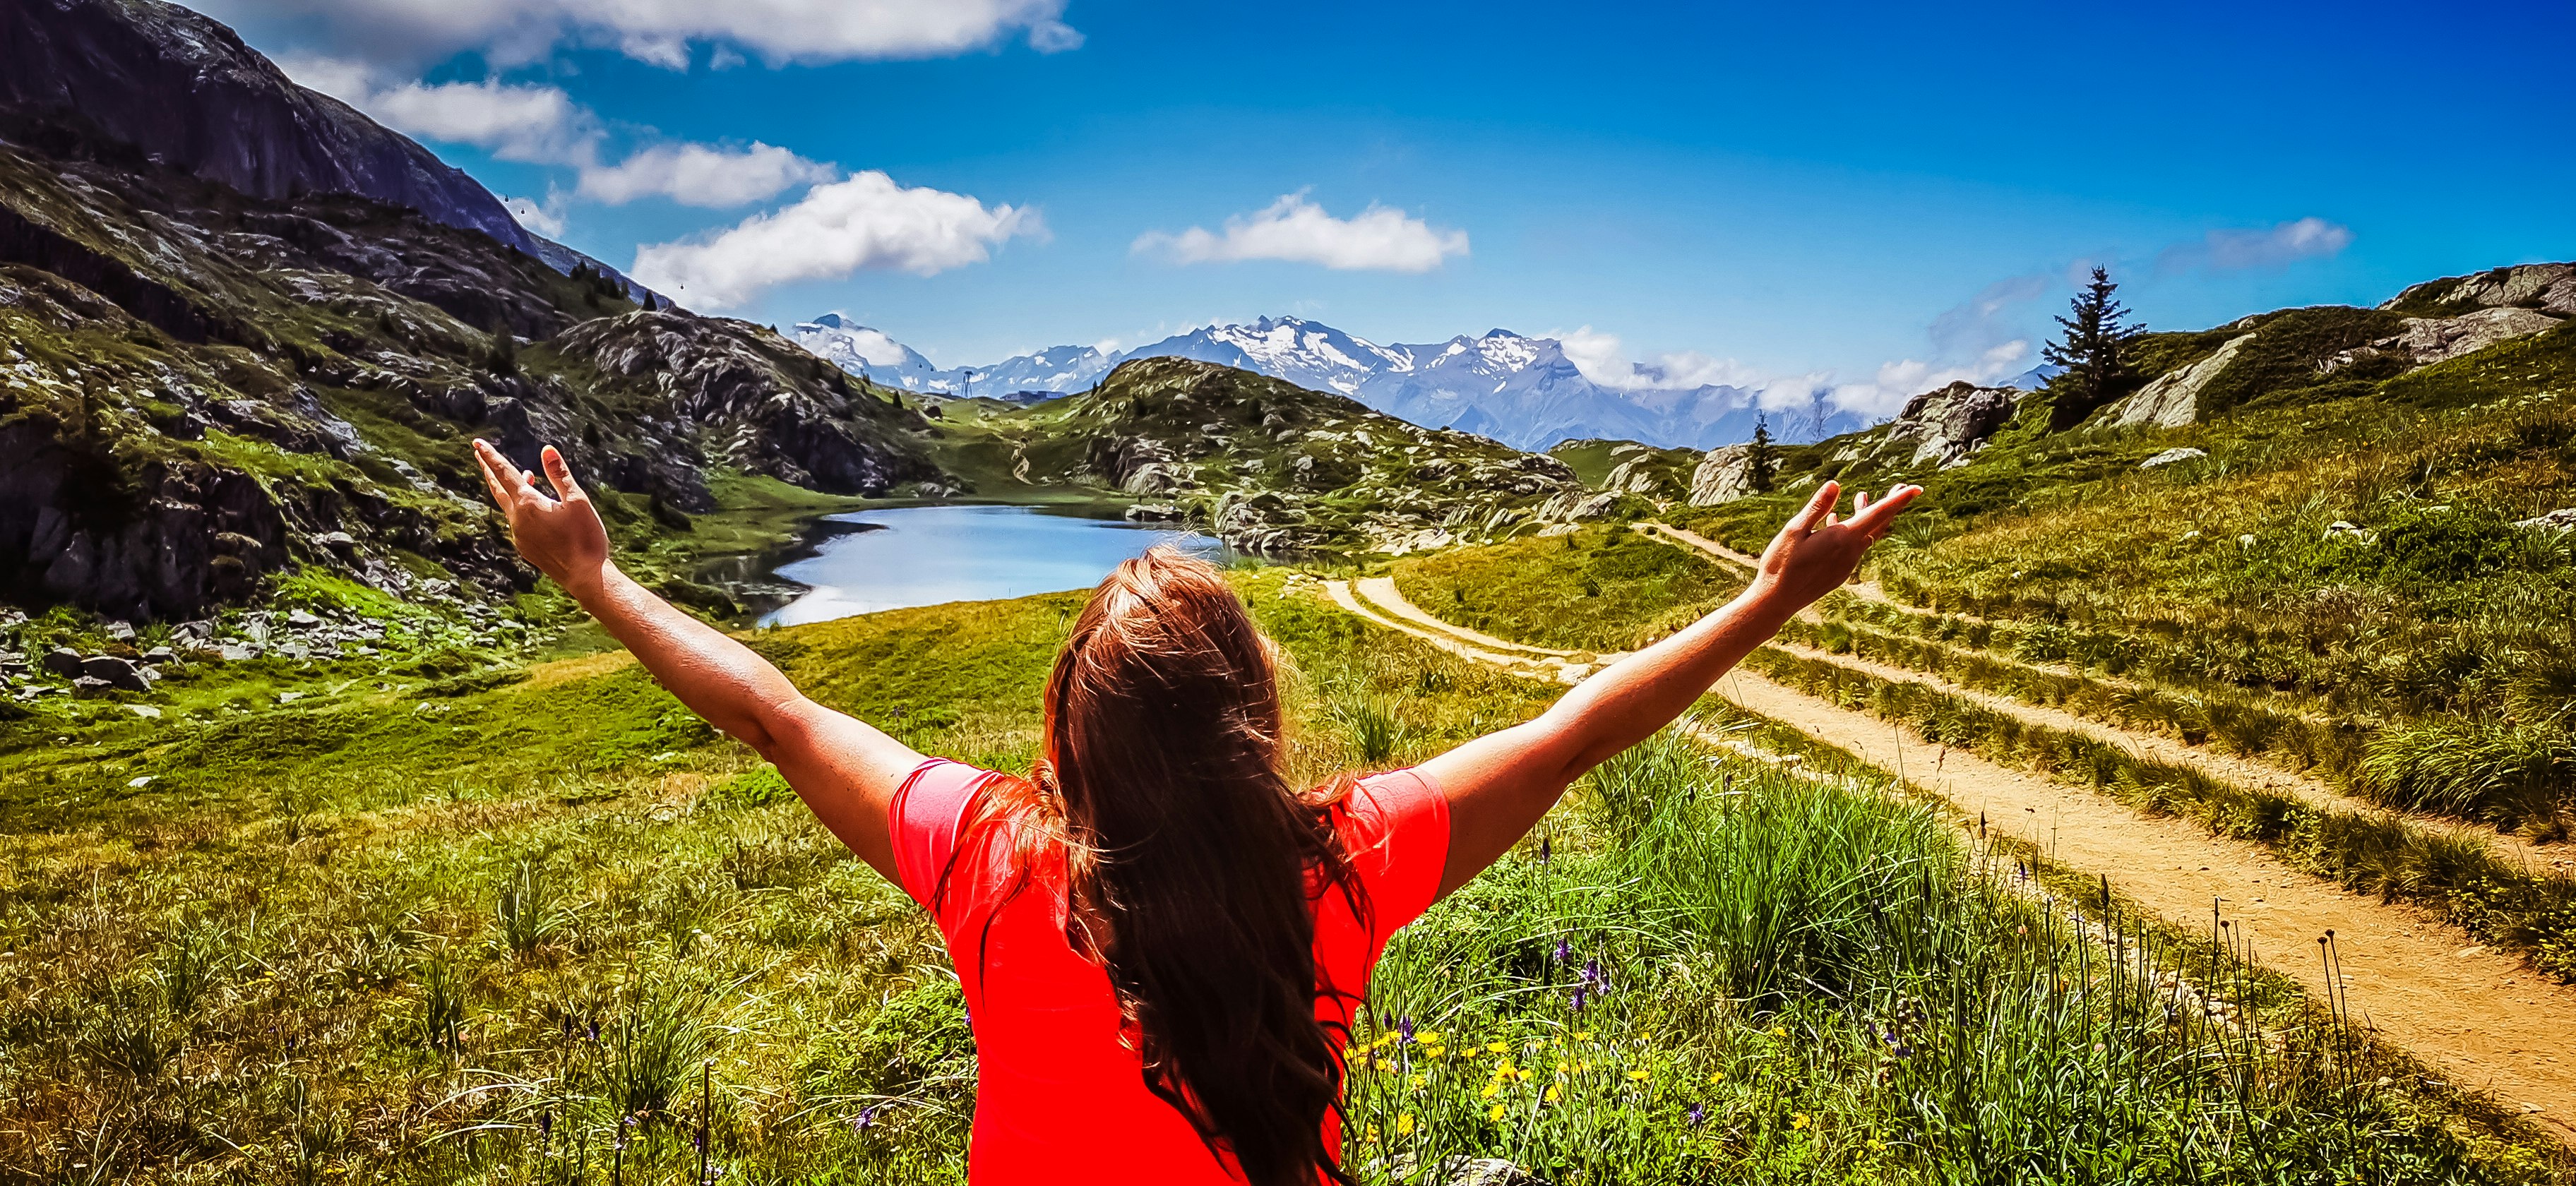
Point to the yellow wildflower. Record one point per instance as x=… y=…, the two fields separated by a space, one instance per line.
x=1640 y=1076
x=1419 y=1080
x=1491 y=1089
x=1583 y=1035
x=1404 y=1125
x=1428 y=1037
x=1779 y=1031
x=1499 y=1047
x=1878 y=1146
x=1496 y=1113
x=1719 y=1077
x=1552 y=1093
x=1798 y=1121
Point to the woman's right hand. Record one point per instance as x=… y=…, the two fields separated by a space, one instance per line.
x=1815 y=554
x=562 y=535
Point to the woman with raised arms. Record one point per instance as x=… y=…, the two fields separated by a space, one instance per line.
x=1161 y=941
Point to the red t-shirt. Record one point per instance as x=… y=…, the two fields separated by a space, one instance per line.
x=1058 y=1097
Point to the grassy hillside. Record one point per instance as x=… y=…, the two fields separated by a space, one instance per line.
x=555 y=931
x=1264 y=464
x=2350 y=554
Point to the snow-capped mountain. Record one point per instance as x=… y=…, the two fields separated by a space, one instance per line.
x=862 y=351
x=1522 y=391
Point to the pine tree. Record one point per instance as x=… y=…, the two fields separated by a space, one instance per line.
x=2095 y=353
x=1761 y=458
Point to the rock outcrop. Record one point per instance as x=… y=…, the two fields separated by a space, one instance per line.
x=2173 y=399
x=2548 y=288
x=1724 y=475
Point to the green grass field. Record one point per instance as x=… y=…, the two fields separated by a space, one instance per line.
x=555 y=931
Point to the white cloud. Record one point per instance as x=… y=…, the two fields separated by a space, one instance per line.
x=542 y=125
x=1297 y=230
x=545 y=218
x=513 y=121
x=413 y=33
x=2236 y=249
x=1601 y=359
x=698 y=175
x=864 y=223
x=1885 y=393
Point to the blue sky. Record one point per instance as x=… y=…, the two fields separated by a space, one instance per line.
x=1881 y=194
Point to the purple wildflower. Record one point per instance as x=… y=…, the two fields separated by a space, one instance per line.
x=1564 y=951
x=1698 y=1113
x=1404 y=1026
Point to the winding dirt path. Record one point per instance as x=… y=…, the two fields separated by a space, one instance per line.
x=2478 y=1015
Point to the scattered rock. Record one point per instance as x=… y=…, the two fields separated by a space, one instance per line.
x=160 y=655
x=90 y=689
x=340 y=543
x=2562 y=519
x=1155 y=512
x=2340 y=530
x=121 y=631
x=62 y=661
x=117 y=673
x=146 y=711
x=302 y=620
x=289 y=697
x=233 y=652
x=2170 y=456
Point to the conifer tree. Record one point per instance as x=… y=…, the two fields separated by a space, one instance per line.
x=1761 y=457
x=2094 y=349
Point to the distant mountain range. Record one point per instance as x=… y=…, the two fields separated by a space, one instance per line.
x=1522 y=391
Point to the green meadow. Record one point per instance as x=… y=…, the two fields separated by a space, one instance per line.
x=543 y=926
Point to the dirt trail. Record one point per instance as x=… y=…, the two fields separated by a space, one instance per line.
x=1381 y=592
x=2478 y=1015
x=2245 y=772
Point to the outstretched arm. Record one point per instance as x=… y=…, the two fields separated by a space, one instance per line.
x=1499 y=785
x=845 y=770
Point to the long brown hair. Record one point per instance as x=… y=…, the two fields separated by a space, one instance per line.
x=1192 y=866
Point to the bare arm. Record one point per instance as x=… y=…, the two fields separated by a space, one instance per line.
x=1499 y=785
x=844 y=769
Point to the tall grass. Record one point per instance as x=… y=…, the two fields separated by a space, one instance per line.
x=1778 y=979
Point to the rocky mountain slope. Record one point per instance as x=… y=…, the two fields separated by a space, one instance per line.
x=204 y=389
x=1519 y=390
x=1271 y=466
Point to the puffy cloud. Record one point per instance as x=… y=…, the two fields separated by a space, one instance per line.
x=512 y=121
x=1885 y=392
x=542 y=125
x=698 y=175
x=413 y=33
x=1295 y=229
x=1602 y=359
x=2230 y=250
x=864 y=223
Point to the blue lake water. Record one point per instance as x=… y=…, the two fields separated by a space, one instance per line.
x=905 y=556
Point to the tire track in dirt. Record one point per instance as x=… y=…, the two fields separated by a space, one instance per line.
x=2479 y=1016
